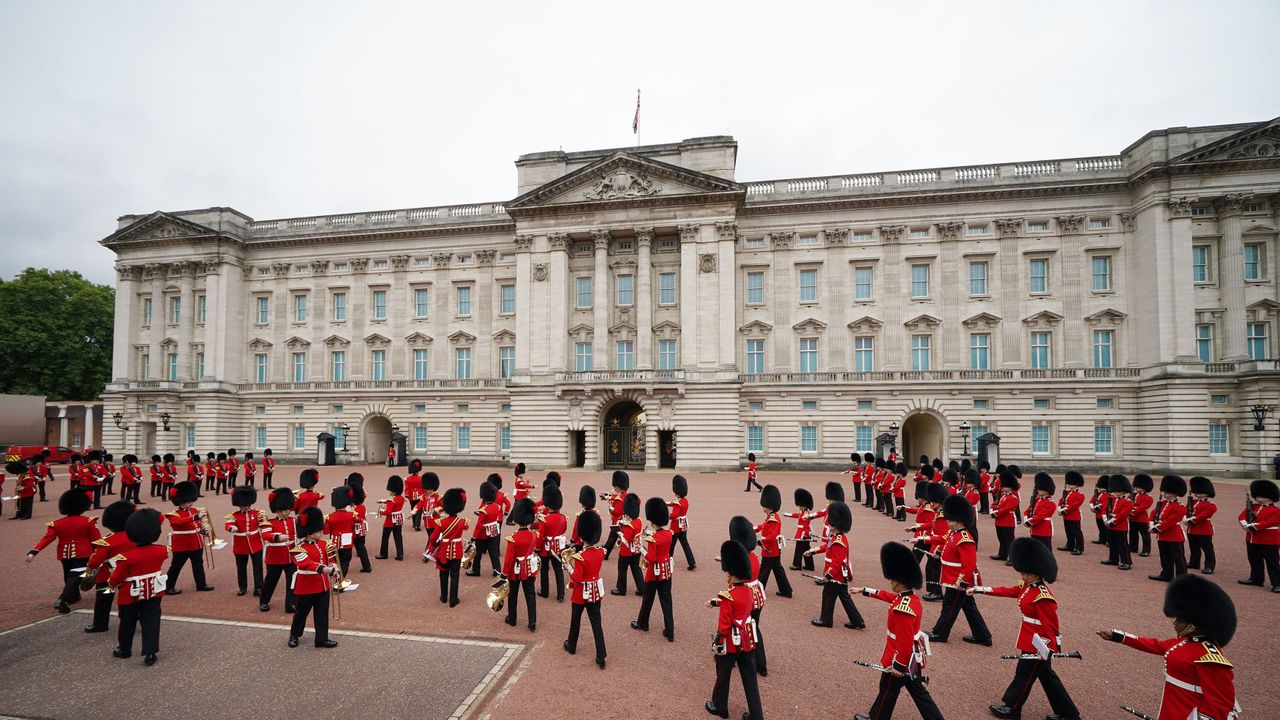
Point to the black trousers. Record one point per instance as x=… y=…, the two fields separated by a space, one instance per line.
x=71 y=580
x=344 y=560
x=1103 y=533
x=799 y=559
x=751 y=483
x=269 y=585
x=316 y=605
x=363 y=552
x=486 y=547
x=396 y=531
x=746 y=663
x=871 y=496
x=97 y=497
x=1025 y=676
x=242 y=579
x=530 y=600
x=102 y=606
x=208 y=481
x=900 y=508
x=932 y=575
x=24 y=508
x=232 y=478
x=40 y=485
x=1004 y=536
x=610 y=541
x=551 y=562
x=773 y=566
x=1045 y=540
x=266 y=480
x=1202 y=544
x=109 y=487
x=597 y=631
x=1173 y=558
x=1139 y=530
x=1260 y=557
x=131 y=492
x=683 y=539
x=449 y=571
x=196 y=558
x=146 y=612
x=953 y=601
x=661 y=588
x=220 y=487
x=857 y=492
x=984 y=507
x=1118 y=542
x=1075 y=536
x=762 y=660
x=155 y=490
x=417 y=521
x=831 y=591
x=887 y=698
x=631 y=563
x=250 y=481
x=879 y=500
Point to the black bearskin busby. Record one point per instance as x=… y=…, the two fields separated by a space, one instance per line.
x=589 y=528
x=1199 y=601
x=1044 y=483
x=495 y=480
x=522 y=512
x=244 y=496
x=679 y=486
x=804 y=499
x=184 y=492
x=587 y=498
x=16 y=468
x=656 y=511
x=143 y=527
x=308 y=478
x=1119 y=484
x=430 y=481
x=1264 y=489
x=899 y=565
x=116 y=514
x=868 y=457
x=488 y=493
x=1009 y=480
x=281 y=499
x=621 y=480
x=770 y=498
x=519 y=469
x=395 y=485
x=155 y=459
x=1030 y=556
x=1073 y=479
x=835 y=492
x=840 y=517
x=1173 y=484
x=453 y=501
x=950 y=476
x=131 y=459
x=631 y=505
x=168 y=457
x=340 y=497
x=414 y=467
x=1143 y=481
x=310 y=520
x=922 y=490
x=734 y=560
x=1103 y=482
x=741 y=530
x=957 y=509
x=553 y=476
x=936 y=493
x=1201 y=485
x=552 y=499
x=356 y=480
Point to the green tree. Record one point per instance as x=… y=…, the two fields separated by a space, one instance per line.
x=56 y=331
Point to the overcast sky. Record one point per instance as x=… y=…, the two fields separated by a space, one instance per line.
x=281 y=109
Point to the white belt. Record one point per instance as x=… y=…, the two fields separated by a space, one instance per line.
x=1030 y=621
x=244 y=534
x=1184 y=685
x=148 y=576
x=183 y=532
x=277 y=544
x=891 y=635
x=950 y=564
x=305 y=572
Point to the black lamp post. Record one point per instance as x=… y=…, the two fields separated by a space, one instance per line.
x=164 y=420
x=965 y=427
x=118 y=419
x=346 y=430
x=1260 y=416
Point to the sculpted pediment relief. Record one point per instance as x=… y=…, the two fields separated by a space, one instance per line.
x=922 y=322
x=1044 y=318
x=1109 y=316
x=377 y=341
x=336 y=341
x=809 y=326
x=158 y=226
x=1259 y=142
x=623 y=177
x=504 y=337
x=297 y=343
x=417 y=339
x=259 y=344
x=865 y=324
x=982 y=320
x=756 y=328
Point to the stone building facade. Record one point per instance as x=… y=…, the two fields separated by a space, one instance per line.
x=641 y=307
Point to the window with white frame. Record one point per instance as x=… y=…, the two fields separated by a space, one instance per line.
x=755 y=242
x=260 y=436
x=299 y=437
x=919 y=233
x=264 y=310
x=666 y=354
x=626 y=290
x=199 y=365
x=422 y=303
x=1042 y=403
x=1199 y=211
x=171 y=367
x=584 y=292
x=1037 y=226
x=340 y=436
x=582 y=356
x=866 y=404
x=379 y=265
x=756 y=406
x=146 y=366
x=1099 y=223
x=202 y=309
x=1038 y=275
x=862 y=236
x=299 y=367
x=1253 y=269
x=979 y=351
x=146 y=312
x=920 y=351
x=755 y=357
x=862 y=288
x=1040 y=444
x=338 y=363
x=1219 y=399
x=421 y=364
x=864 y=353
x=299 y=308
x=808 y=355
x=1103 y=342
x=1041 y=349
x=978 y=277
x=299 y=409
x=755 y=288
x=978 y=431
x=507 y=304
x=463 y=437
x=972 y=230
x=807 y=240
x=1204 y=342
x=379 y=304
x=1200 y=263
x=755 y=438
x=808 y=286
x=1101 y=273
x=506 y=362
x=808 y=438
x=1256 y=339
x=1218 y=439
x=981 y=403
x=920 y=280
x=191 y=436
x=1105 y=403
x=420 y=438
x=809 y=405
x=378 y=365
x=260 y=367
x=504 y=437
x=1103 y=439
x=420 y=408
x=175 y=310
x=464 y=300
x=339 y=307
x=666 y=288
x=462 y=363
x=864 y=437
x=625 y=355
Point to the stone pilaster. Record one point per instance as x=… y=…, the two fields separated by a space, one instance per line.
x=601 y=302
x=187 y=321
x=126 y=322
x=689 y=310
x=524 y=305
x=645 y=359
x=1231 y=274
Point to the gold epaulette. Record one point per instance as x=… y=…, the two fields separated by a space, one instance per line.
x=576 y=557
x=101 y=543
x=1213 y=655
x=904 y=606
x=117 y=558
x=511 y=538
x=93 y=521
x=965 y=537
x=50 y=523
x=231 y=516
x=1044 y=595
x=726 y=595
x=839 y=540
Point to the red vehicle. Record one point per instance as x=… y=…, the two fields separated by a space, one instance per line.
x=22 y=453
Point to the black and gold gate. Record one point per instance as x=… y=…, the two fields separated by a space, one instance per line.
x=623 y=436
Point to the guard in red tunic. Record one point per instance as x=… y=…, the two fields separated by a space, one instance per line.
x=340 y=526
x=680 y=519
x=186 y=538
x=744 y=533
x=1141 y=517
x=771 y=541
x=503 y=501
x=280 y=536
x=520 y=564
x=629 y=546
x=139 y=584
x=904 y=646
x=413 y=491
x=934 y=537
x=487 y=533
x=221 y=471
x=313 y=577
x=985 y=488
x=1199 y=681
x=308 y=497
x=156 y=472
x=250 y=470
x=1098 y=504
x=210 y=471
x=552 y=540
x=1039 y=637
x=522 y=486
x=447 y=543
x=621 y=483
x=855 y=476
x=1261 y=523
x=900 y=492
x=98 y=571
x=869 y=478
x=587 y=503
x=426 y=511
x=836 y=572
x=233 y=468
x=1119 y=509
x=75 y=534
x=43 y=473
x=246 y=526
x=268 y=469
x=1042 y=509
x=924 y=513
x=959 y=559
x=26 y=489
x=109 y=474
x=170 y=473
x=1072 y=500
x=195 y=471
x=92 y=475
x=1166 y=523
x=1199 y=521
x=734 y=639
x=586 y=588
x=658 y=569
x=392 y=512
x=751 y=473
x=804 y=535
x=1005 y=514
x=355 y=481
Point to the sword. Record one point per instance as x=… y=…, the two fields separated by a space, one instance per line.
x=1034 y=656
x=1138 y=713
x=922 y=679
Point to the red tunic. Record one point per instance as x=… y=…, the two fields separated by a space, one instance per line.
x=75 y=535
x=362 y=519
x=1071 y=507
x=1121 y=508
x=1005 y=509
x=657 y=555
x=132 y=475
x=1039 y=614
x=584 y=578
x=1169 y=524
x=925 y=515
x=413 y=488
x=959 y=560
x=1267 y=528
x=308 y=558
x=522 y=487
x=27 y=486
x=448 y=544
x=429 y=506
x=1041 y=518
x=184 y=532
x=1142 y=503
x=735 y=630
x=306 y=499
x=137 y=575
x=629 y=542
x=770 y=531
x=803 y=521
x=246 y=528
x=904 y=623
x=519 y=563
x=488 y=521
x=195 y=471
x=837 y=558
x=392 y=512
x=340 y=527
x=574 y=536
x=268 y=465
x=615 y=507
x=277 y=553
x=551 y=540
x=105 y=549
x=680 y=514
x=1200 y=521
x=1100 y=504
x=1197 y=678
x=250 y=469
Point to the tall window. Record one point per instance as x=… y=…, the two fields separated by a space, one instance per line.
x=508 y=306
x=300 y=308
x=340 y=437
x=339 y=307
x=339 y=365
x=260 y=367
x=862 y=283
x=422 y=302
x=171 y=367
x=864 y=353
x=920 y=351
x=978 y=278
x=625 y=356
x=626 y=290
x=464 y=437
x=1102 y=342
x=920 y=281
x=175 y=310
x=202 y=308
x=191 y=436
x=808 y=286
x=1040 y=439
x=1256 y=337
x=979 y=351
x=584 y=292
x=864 y=436
x=146 y=366
x=420 y=365
x=1253 y=261
x=755 y=357
x=199 y=365
x=755 y=288
x=506 y=362
x=1102 y=273
x=1041 y=352
x=420 y=437
x=1200 y=263
x=755 y=438
x=299 y=367
x=264 y=310
x=666 y=354
x=260 y=436
x=978 y=431
x=462 y=363
x=299 y=437
x=1218 y=439
x=378 y=365
x=582 y=356
x=379 y=304
x=146 y=312
x=464 y=300
x=666 y=288
x=809 y=438
x=808 y=355
x=504 y=437
x=1204 y=342
x=1038 y=273
x=1103 y=439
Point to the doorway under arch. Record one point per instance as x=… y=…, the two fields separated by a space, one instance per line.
x=922 y=434
x=623 y=436
x=376 y=438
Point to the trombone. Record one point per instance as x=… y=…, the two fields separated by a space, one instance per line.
x=211 y=540
x=342 y=584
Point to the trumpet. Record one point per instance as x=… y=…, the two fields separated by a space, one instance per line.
x=498 y=593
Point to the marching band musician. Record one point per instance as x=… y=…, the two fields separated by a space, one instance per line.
x=1042 y=509
x=195 y=471
x=834 y=494
x=108 y=474
x=43 y=473
x=1166 y=523
x=1199 y=681
x=934 y=537
x=587 y=503
x=959 y=559
x=502 y=500
x=487 y=533
x=1140 y=518
x=1261 y=523
x=75 y=534
x=26 y=489
x=246 y=526
x=522 y=487
x=1119 y=508
x=392 y=513
x=140 y=585
x=268 y=469
x=629 y=546
x=901 y=655
x=836 y=570
x=734 y=641
x=621 y=483
x=413 y=490
x=1199 y=522
x=922 y=529
x=250 y=470
x=355 y=481
x=130 y=479
x=680 y=519
x=446 y=546
x=186 y=538
x=742 y=531
x=312 y=579
x=520 y=564
x=551 y=539
x=156 y=473
x=586 y=587
x=1004 y=513
x=804 y=518
x=307 y=480
x=98 y=571
x=1070 y=512
x=771 y=541
x=92 y=475
x=280 y=535
x=427 y=509
x=1038 y=568
x=658 y=570
x=221 y=471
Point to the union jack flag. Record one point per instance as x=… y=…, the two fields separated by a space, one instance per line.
x=635 y=122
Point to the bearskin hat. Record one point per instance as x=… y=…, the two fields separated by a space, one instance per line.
x=925 y=470
x=357 y=494
x=454 y=501
x=1201 y=485
x=935 y=493
x=589 y=527
x=770 y=498
x=971 y=477
x=184 y=492
x=679 y=486
x=900 y=469
x=74 y=502
x=984 y=465
x=554 y=476
x=46 y=453
x=430 y=481
x=415 y=466
x=266 y=453
x=395 y=485
x=621 y=480
x=1030 y=556
x=222 y=456
x=899 y=565
x=965 y=465
x=924 y=460
x=868 y=457
x=855 y=458
x=75 y=458
x=587 y=497
x=1199 y=601
x=1008 y=480
x=169 y=457
x=922 y=490
x=1017 y=472
x=835 y=492
x=840 y=517
x=552 y=498
x=804 y=498
x=1264 y=489
x=244 y=496
x=310 y=520
x=1143 y=481
x=735 y=560
x=129 y=459
x=116 y=514
x=155 y=459
x=248 y=456
x=656 y=511
x=519 y=469
x=495 y=480
x=340 y=497
x=1119 y=484
x=16 y=468
x=631 y=505
x=308 y=478
x=522 y=512
x=488 y=493
x=937 y=463
x=1044 y=483
x=211 y=456
x=355 y=480
x=1073 y=479
x=950 y=476
x=1103 y=482
x=143 y=527
x=281 y=499
x=957 y=509
x=231 y=452
x=93 y=456
x=751 y=457
x=1173 y=484
x=741 y=530
x=108 y=457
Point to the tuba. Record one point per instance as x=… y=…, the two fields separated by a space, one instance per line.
x=498 y=593
x=468 y=554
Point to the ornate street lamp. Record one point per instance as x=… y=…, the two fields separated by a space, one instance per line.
x=164 y=420
x=965 y=427
x=346 y=430
x=118 y=419
x=1260 y=416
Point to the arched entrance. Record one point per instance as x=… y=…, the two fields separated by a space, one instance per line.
x=376 y=438
x=921 y=435
x=623 y=436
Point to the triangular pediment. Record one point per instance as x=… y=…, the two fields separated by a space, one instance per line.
x=297 y=343
x=1264 y=304
x=259 y=344
x=376 y=340
x=1043 y=318
x=417 y=339
x=809 y=326
x=624 y=326
x=336 y=341
x=756 y=328
x=864 y=324
x=158 y=226
x=921 y=322
x=462 y=337
x=1108 y=316
x=982 y=320
x=504 y=336
x=1259 y=142
x=581 y=328
x=666 y=326
x=623 y=177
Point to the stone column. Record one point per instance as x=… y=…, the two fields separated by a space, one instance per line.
x=893 y=351
x=485 y=297
x=122 y=332
x=1005 y=283
x=689 y=309
x=727 y=307
x=951 y=294
x=216 y=309
x=644 y=300
x=1075 y=347
x=524 y=304
x=600 y=302
x=440 y=362
x=88 y=426
x=318 y=309
x=187 y=322
x=782 y=299
x=1231 y=276
x=158 y=319
x=561 y=294
x=63 y=427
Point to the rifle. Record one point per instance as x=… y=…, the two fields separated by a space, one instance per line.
x=922 y=679
x=1138 y=713
x=820 y=578
x=1250 y=509
x=1036 y=656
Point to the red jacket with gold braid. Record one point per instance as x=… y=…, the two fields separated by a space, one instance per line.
x=518 y=563
x=308 y=558
x=905 y=611
x=1197 y=678
x=137 y=575
x=735 y=620
x=1039 y=614
x=75 y=535
x=104 y=549
x=246 y=528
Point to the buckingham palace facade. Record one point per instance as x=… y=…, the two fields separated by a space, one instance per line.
x=640 y=307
